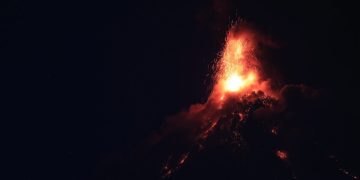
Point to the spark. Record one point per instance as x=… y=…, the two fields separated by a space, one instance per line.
x=183 y=158
x=274 y=131
x=281 y=154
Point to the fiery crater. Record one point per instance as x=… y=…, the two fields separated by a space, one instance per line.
x=237 y=70
x=235 y=82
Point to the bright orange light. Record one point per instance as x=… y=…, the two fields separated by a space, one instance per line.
x=234 y=83
x=236 y=71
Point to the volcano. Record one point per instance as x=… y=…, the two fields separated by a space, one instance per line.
x=228 y=133
x=246 y=129
x=239 y=90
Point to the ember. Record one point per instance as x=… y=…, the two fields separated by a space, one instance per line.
x=282 y=154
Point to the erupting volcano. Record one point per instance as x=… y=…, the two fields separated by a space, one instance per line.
x=238 y=91
x=243 y=116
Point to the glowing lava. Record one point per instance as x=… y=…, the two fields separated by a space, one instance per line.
x=281 y=154
x=234 y=83
x=237 y=70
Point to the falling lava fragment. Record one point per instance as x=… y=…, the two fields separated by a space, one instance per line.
x=282 y=154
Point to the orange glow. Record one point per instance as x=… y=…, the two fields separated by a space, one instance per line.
x=234 y=83
x=237 y=66
x=274 y=131
x=183 y=158
x=281 y=154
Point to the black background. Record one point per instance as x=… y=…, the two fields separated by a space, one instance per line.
x=89 y=81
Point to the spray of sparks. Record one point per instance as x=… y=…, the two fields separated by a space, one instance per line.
x=235 y=74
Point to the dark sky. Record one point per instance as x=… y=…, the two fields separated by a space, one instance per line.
x=90 y=80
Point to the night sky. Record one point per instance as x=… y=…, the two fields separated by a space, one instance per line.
x=90 y=81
